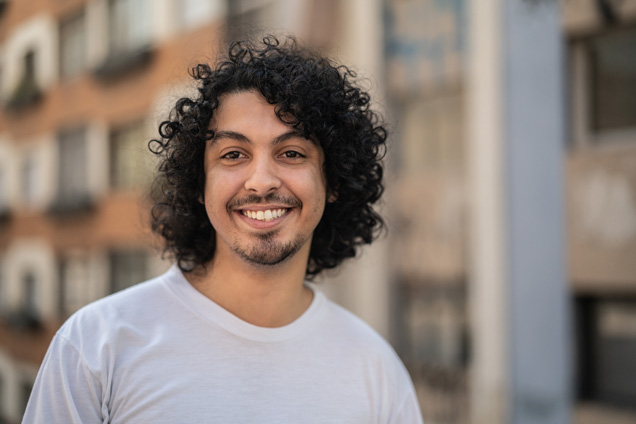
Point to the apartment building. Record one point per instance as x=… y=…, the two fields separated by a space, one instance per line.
x=83 y=86
x=426 y=77
x=601 y=175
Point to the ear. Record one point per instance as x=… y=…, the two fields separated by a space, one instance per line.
x=201 y=200
x=331 y=196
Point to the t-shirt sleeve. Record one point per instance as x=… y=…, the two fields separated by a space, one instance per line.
x=409 y=412
x=65 y=390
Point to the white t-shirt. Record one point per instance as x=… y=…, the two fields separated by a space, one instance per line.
x=161 y=352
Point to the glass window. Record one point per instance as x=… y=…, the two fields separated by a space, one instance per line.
x=606 y=348
x=193 y=13
x=1 y=86
x=72 y=171
x=27 y=91
x=434 y=324
x=616 y=350
x=72 y=45
x=431 y=135
x=74 y=290
x=4 y=201
x=2 y=406
x=613 y=63
x=29 y=177
x=127 y=267
x=246 y=18
x=29 y=66
x=130 y=157
x=128 y=25
x=433 y=341
x=29 y=292
x=25 y=393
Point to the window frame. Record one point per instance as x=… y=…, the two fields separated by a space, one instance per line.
x=80 y=14
x=581 y=98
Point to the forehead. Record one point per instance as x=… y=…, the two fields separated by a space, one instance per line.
x=245 y=109
x=247 y=115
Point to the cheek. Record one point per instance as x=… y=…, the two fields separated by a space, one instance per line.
x=218 y=189
x=316 y=189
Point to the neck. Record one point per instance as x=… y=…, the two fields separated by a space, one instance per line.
x=266 y=296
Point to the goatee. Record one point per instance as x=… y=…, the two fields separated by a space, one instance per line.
x=268 y=252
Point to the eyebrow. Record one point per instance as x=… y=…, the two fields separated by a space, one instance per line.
x=243 y=139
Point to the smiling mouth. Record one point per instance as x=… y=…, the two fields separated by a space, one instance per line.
x=265 y=215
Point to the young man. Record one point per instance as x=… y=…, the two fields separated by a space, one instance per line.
x=268 y=177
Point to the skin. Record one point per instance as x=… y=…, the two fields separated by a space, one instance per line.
x=254 y=163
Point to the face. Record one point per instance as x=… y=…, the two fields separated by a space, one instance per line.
x=265 y=187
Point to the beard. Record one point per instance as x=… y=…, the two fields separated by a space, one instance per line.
x=268 y=252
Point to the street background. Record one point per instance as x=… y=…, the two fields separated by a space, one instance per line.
x=507 y=279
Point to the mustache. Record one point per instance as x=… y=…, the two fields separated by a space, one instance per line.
x=253 y=199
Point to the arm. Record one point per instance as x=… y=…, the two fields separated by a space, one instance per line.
x=65 y=390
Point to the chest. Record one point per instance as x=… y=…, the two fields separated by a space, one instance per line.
x=230 y=381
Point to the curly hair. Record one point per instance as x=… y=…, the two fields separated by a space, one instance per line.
x=311 y=93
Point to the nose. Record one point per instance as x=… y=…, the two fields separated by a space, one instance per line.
x=263 y=176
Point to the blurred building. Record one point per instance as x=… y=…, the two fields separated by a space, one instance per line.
x=425 y=72
x=426 y=67
x=601 y=200
x=84 y=84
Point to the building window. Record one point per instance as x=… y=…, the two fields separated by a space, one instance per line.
x=193 y=13
x=613 y=71
x=25 y=393
x=433 y=341
x=435 y=325
x=27 y=91
x=72 y=45
x=1 y=90
x=2 y=405
x=29 y=292
x=128 y=25
x=72 y=189
x=431 y=135
x=4 y=196
x=74 y=291
x=130 y=157
x=127 y=267
x=606 y=346
x=2 y=290
x=128 y=38
x=247 y=17
x=29 y=179
x=25 y=315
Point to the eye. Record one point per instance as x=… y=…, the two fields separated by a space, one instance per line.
x=292 y=154
x=233 y=155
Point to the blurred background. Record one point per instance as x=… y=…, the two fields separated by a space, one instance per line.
x=507 y=281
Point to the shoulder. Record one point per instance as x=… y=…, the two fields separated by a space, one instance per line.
x=346 y=325
x=358 y=339
x=105 y=316
x=362 y=349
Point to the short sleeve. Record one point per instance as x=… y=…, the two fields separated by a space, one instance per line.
x=65 y=390
x=409 y=412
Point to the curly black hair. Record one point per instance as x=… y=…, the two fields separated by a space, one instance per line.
x=311 y=93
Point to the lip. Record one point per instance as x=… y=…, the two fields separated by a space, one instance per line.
x=263 y=225
x=263 y=207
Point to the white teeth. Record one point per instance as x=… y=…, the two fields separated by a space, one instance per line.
x=266 y=215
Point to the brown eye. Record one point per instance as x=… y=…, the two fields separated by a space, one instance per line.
x=232 y=155
x=292 y=154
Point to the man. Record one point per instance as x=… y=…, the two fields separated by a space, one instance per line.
x=268 y=178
